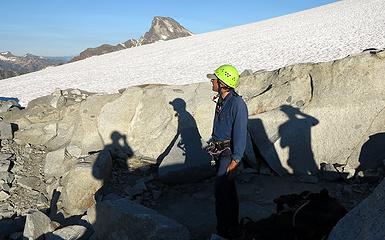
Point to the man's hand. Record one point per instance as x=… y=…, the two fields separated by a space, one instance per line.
x=231 y=168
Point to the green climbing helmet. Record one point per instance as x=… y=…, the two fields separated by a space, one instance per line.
x=228 y=75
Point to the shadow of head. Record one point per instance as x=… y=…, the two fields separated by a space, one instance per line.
x=372 y=155
x=178 y=104
x=119 y=147
x=290 y=111
x=116 y=136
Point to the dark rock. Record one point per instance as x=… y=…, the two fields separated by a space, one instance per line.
x=365 y=221
x=124 y=219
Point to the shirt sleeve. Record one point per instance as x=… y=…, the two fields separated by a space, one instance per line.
x=239 y=133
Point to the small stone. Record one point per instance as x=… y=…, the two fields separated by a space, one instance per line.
x=76 y=92
x=5 y=165
x=42 y=200
x=29 y=183
x=360 y=174
x=57 y=92
x=73 y=151
x=246 y=73
x=36 y=225
x=7 y=177
x=5 y=187
x=4 y=195
x=58 y=101
x=69 y=232
x=300 y=103
x=17 y=168
x=327 y=167
x=5 y=156
x=54 y=225
x=5 y=131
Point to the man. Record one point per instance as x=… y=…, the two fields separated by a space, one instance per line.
x=227 y=147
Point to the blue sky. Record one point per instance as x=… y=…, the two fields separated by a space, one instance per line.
x=67 y=27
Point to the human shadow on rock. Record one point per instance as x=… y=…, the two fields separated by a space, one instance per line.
x=372 y=156
x=184 y=160
x=295 y=134
x=263 y=147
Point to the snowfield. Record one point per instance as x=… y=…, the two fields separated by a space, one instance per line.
x=320 y=34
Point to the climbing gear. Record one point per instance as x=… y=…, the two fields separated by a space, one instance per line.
x=228 y=74
x=216 y=148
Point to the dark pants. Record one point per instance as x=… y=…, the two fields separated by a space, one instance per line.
x=226 y=201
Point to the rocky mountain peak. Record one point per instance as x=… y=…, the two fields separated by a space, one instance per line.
x=164 y=28
x=7 y=54
x=31 y=56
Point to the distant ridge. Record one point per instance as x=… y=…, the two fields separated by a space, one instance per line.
x=162 y=29
x=11 y=65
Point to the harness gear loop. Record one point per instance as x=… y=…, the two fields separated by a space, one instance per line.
x=216 y=148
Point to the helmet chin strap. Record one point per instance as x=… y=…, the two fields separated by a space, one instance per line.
x=218 y=98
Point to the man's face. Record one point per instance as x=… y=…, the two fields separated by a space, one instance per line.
x=215 y=84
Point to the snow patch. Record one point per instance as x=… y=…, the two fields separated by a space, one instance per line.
x=321 y=34
x=11 y=59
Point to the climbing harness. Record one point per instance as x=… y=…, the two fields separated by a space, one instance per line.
x=216 y=148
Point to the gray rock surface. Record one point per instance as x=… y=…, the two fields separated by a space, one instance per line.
x=365 y=221
x=7 y=177
x=5 y=186
x=37 y=133
x=56 y=164
x=304 y=114
x=4 y=195
x=72 y=232
x=36 y=225
x=83 y=181
x=8 y=104
x=5 y=130
x=5 y=165
x=86 y=134
x=30 y=183
x=124 y=219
